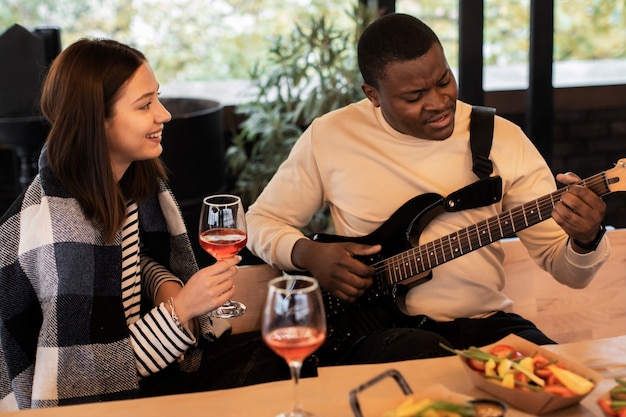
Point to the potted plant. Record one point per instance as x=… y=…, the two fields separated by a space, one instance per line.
x=310 y=72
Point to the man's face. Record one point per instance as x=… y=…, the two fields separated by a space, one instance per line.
x=418 y=97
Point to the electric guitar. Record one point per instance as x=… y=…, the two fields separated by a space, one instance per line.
x=402 y=263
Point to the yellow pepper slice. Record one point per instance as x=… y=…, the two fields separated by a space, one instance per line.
x=508 y=381
x=578 y=384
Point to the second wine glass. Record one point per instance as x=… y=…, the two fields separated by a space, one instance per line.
x=222 y=234
x=294 y=325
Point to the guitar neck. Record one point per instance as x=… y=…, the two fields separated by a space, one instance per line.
x=429 y=255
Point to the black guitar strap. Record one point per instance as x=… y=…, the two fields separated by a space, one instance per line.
x=481 y=137
x=487 y=190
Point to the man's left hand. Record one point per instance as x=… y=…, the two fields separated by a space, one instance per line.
x=579 y=212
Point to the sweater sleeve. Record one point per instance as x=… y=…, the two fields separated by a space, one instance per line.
x=157 y=341
x=153 y=274
x=276 y=217
x=547 y=243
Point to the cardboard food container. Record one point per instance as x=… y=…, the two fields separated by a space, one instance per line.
x=537 y=403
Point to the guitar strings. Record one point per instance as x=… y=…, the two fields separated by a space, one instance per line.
x=409 y=263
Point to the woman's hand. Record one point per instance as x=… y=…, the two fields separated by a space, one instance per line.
x=206 y=290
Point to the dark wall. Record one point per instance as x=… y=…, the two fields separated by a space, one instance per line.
x=587 y=142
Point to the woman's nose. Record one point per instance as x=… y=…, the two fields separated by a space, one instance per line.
x=164 y=115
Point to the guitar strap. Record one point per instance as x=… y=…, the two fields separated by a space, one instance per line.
x=487 y=190
x=481 y=137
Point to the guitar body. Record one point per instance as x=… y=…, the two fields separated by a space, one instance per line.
x=399 y=233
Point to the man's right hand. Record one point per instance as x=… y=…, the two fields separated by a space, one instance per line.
x=335 y=267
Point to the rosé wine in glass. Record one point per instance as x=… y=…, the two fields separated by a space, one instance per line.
x=295 y=343
x=223 y=243
x=222 y=233
x=294 y=326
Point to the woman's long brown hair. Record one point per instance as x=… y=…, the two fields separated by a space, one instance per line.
x=83 y=84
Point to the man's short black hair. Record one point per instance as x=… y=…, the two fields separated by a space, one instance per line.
x=391 y=38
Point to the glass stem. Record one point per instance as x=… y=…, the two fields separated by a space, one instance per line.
x=295 y=376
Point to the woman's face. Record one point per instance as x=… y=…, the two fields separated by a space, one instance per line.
x=134 y=130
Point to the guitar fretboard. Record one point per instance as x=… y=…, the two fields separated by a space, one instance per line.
x=429 y=255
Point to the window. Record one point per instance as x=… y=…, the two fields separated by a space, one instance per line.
x=185 y=40
x=589 y=40
x=203 y=40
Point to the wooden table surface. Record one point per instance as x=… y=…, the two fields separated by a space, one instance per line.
x=327 y=394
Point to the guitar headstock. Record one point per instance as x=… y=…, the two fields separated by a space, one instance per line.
x=616 y=176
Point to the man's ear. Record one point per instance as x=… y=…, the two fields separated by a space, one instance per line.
x=371 y=93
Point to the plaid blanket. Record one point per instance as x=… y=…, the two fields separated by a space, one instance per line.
x=62 y=326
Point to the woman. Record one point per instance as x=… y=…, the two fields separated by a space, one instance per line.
x=95 y=252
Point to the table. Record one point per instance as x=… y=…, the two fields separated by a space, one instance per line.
x=327 y=394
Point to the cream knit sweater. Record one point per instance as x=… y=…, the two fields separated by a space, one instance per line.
x=364 y=169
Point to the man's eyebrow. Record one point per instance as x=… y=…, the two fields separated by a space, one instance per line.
x=445 y=74
x=420 y=90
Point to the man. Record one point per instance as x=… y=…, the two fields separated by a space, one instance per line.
x=410 y=137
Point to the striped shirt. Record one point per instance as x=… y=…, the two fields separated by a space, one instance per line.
x=156 y=340
x=131 y=272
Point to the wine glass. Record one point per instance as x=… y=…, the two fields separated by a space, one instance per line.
x=294 y=325
x=222 y=234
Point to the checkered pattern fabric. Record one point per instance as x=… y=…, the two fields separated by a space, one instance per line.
x=62 y=326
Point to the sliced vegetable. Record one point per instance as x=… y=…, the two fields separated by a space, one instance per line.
x=504 y=367
x=559 y=390
x=505 y=352
x=530 y=375
x=578 y=384
x=443 y=407
x=427 y=408
x=619 y=391
x=527 y=363
x=615 y=405
x=490 y=367
x=605 y=406
x=508 y=381
x=408 y=408
x=476 y=364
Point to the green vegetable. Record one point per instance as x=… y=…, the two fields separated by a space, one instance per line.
x=463 y=410
x=618 y=405
x=618 y=393
x=475 y=353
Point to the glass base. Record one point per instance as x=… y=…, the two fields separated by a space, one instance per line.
x=229 y=310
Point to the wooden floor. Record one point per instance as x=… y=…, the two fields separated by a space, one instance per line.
x=565 y=314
